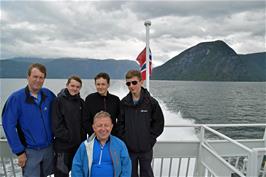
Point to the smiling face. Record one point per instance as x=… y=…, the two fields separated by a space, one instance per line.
x=73 y=87
x=35 y=80
x=102 y=86
x=102 y=127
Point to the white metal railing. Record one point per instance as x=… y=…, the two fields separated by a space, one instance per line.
x=185 y=158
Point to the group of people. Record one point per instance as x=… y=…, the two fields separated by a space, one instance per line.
x=99 y=137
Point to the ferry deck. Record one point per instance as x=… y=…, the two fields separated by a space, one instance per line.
x=212 y=154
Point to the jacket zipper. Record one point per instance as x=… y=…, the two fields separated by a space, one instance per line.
x=104 y=104
x=40 y=108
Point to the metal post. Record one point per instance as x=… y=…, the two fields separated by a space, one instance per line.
x=252 y=165
x=147 y=23
x=199 y=168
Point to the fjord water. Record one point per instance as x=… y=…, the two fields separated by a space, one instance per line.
x=185 y=102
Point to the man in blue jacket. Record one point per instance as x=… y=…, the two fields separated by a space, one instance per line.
x=27 y=124
x=102 y=154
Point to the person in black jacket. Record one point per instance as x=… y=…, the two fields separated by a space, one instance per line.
x=102 y=100
x=140 y=122
x=68 y=125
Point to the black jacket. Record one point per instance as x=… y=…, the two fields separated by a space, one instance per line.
x=68 y=122
x=95 y=103
x=139 y=125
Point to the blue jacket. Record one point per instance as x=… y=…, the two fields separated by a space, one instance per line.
x=83 y=158
x=27 y=124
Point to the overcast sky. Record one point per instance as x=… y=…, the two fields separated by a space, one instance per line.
x=115 y=29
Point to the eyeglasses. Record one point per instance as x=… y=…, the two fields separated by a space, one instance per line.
x=132 y=82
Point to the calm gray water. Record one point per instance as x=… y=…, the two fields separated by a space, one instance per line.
x=202 y=102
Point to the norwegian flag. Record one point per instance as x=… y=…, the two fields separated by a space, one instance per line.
x=142 y=63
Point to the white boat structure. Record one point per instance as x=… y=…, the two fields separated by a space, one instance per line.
x=207 y=156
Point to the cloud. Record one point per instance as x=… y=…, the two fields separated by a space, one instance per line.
x=115 y=29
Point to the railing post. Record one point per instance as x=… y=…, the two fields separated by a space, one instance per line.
x=252 y=165
x=199 y=169
x=264 y=137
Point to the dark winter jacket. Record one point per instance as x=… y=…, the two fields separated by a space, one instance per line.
x=68 y=122
x=95 y=103
x=139 y=125
x=26 y=123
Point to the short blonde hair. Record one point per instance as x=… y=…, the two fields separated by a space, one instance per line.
x=133 y=73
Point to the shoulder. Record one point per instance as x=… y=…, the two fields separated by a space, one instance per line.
x=127 y=98
x=117 y=141
x=48 y=92
x=147 y=96
x=114 y=97
x=153 y=100
x=90 y=96
x=16 y=95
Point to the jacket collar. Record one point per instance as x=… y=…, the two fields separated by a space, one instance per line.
x=143 y=93
x=29 y=98
x=107 y=95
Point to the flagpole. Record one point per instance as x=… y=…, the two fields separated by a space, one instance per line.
x=147 y=24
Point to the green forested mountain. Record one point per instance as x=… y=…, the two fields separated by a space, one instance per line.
x=207 y=61
x=213 y=61
x=64 y=67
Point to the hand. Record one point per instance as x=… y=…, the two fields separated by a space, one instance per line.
x=22 y=158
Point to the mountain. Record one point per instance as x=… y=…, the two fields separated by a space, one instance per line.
x=207 y=61
x=213 y=61
x=64 y=67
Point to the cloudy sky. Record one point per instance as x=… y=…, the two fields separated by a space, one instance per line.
x=115 y=29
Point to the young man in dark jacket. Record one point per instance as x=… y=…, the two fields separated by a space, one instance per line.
x=140 y=122
x=101 y=100
x=68 y=125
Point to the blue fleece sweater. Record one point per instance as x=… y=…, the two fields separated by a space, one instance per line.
x=27 y=124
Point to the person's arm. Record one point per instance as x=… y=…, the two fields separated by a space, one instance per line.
x=83 y=121
x=117 y=112
x=78 y=162
x=10 y=116
x=157 y=124
x=120 y=126
x=58 y=124
x=125 y=162
x=88 y=117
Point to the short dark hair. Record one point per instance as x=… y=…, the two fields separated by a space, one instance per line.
x=73 y=77
x=133 y=73
x=39 y=66
x=102 y=114
x=102 y=75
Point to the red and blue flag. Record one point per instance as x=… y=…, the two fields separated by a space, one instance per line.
x=142 y=63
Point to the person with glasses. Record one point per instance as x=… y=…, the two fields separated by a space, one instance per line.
x=140 y=122
x=102 y=154
x=27 y=124
x=101 y=100
x=68 y=125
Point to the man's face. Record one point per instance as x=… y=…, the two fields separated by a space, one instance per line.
x=102 y=127
x=134 y=85
x=35 y=80
x=73 y=87
x=101 y=86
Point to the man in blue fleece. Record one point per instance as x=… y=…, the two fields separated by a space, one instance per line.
x=102 y=154
x=27 y=124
